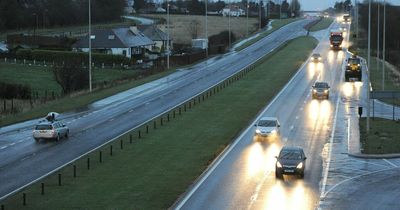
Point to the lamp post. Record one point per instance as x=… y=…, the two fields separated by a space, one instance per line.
x=90 y=47
x=280 y=9
x=377 y=38
x=205 y=2
x=167 y=34
x=229 y=22
x=369 y=62
x=247 y=19
x=384 y=45
x=259 y=15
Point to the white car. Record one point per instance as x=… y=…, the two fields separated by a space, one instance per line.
x=50 y=130
x=267 y=127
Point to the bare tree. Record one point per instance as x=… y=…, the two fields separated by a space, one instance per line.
x=71 y=76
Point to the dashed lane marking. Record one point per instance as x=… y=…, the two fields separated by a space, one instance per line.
x=3 y=147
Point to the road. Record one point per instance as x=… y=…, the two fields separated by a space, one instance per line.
x=23 y=161
x=243 y=176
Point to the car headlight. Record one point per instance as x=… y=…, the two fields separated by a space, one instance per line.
x=325 y=91
x=319 y=58
x=278 y=164
x=258 y=131
x=314 y=91
x=300 y=165
x=273 y=131
x=331 y=45
x=358 y=64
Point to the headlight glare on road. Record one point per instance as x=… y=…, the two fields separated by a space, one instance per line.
x=273 y=131
x=300 y=165
x=278 y=164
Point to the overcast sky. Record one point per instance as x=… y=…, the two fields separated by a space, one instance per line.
x=323 y=4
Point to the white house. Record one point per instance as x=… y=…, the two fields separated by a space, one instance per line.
x=120 y=41
x=158 y=36
x=233 y=10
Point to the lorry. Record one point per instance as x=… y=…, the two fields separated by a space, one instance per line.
x=353 y=69
x=336 y=39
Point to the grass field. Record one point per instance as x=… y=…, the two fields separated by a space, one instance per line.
x=383 y=137
x=41 y=79
x=276 y=24
x=69 y=103
x=323 y=24
x=68 y=30
x=181 y=26
x=153 y=171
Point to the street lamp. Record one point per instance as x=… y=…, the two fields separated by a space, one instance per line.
x=229 y=22
x=167 y=34
x=90 y=47
x=205 y=2
x=377 y=37
x=384 y=45
x=259 y=14
x=369 y=62
x=247 y=19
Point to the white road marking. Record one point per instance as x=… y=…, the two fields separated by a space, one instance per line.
x=3 y=147
x=348 y=135
x=390 y=163
x=323 y=194
x=297 y=117
x=131 y=110
x=112 y=119
x=12 y=144
x=20 y=141
x=362 y=161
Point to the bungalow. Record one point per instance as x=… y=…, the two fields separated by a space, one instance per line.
x=159 y=37
x=129 y=42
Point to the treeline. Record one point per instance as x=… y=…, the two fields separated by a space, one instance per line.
x=17 y=14
x=392 y=30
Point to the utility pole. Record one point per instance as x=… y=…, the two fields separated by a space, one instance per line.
x=229 y=22
x=247 y=19
x=90 y=47
x=356 y=19
x=280 y=9
x=205 y=2
x=377 y=37
x=259 y=15
x=369 y=62
x=384 y=45
x=168 y=51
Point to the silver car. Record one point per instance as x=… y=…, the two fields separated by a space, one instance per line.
x=50 y=130
x=267 y=127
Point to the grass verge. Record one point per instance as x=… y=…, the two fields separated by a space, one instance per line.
x=69 y=103
x=383 y=137
x=156 y=169
x=276 y=24
x=324 y=23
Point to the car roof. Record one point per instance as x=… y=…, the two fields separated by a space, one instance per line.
x=292 y=148
x=318 y=82
x=268 y=118
x=316 y=54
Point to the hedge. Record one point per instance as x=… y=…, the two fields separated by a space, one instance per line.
x=62 y=56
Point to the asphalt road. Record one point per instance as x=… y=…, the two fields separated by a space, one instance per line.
x=243 y=177
x=23 y=161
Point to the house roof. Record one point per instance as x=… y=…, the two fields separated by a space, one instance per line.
x=114 y=38
x=153 y=33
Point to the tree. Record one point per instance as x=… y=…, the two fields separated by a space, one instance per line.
x=295 y=7
x=71 y=76
x=139 y=4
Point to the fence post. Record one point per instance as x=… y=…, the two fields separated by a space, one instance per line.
x=2 y=207
x=173 y=115
x=74 y=171
x=184 y=108
x=24 y=199
x=139 y=134
x=59 y=179
x=42 y=184
x=88 y=163
x=100 y=156
x=147 y=129
x=161 y=121
x=122 y=144
x=180 y=110
x=190 y=104
x=111 y=150
x=155 y=124
x=130 y=138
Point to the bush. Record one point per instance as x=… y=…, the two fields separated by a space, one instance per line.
x=65 y=56
x=10 y=91
x=71 y=76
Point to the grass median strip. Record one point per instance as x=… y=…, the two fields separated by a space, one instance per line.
x=324 y=23
x=157 y=168
x=383 y=138
x=276 y=24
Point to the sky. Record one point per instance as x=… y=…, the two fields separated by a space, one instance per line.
x=323 y=4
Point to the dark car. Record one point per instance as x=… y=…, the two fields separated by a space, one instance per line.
x=316 y=57
x=291 y=160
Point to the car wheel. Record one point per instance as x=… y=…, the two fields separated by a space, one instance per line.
x=66 y=134
x=278 y=175
x=301 y=175
x=58 y=138
x=37 y=140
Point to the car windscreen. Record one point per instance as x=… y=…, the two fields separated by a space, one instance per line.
x=43 y=127
x=290 y=155
x=267 y=123
x=354 y=61
x=321 y=85
x=336 y=38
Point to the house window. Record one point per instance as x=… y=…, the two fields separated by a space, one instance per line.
x=124 y=52
x=136 y=51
